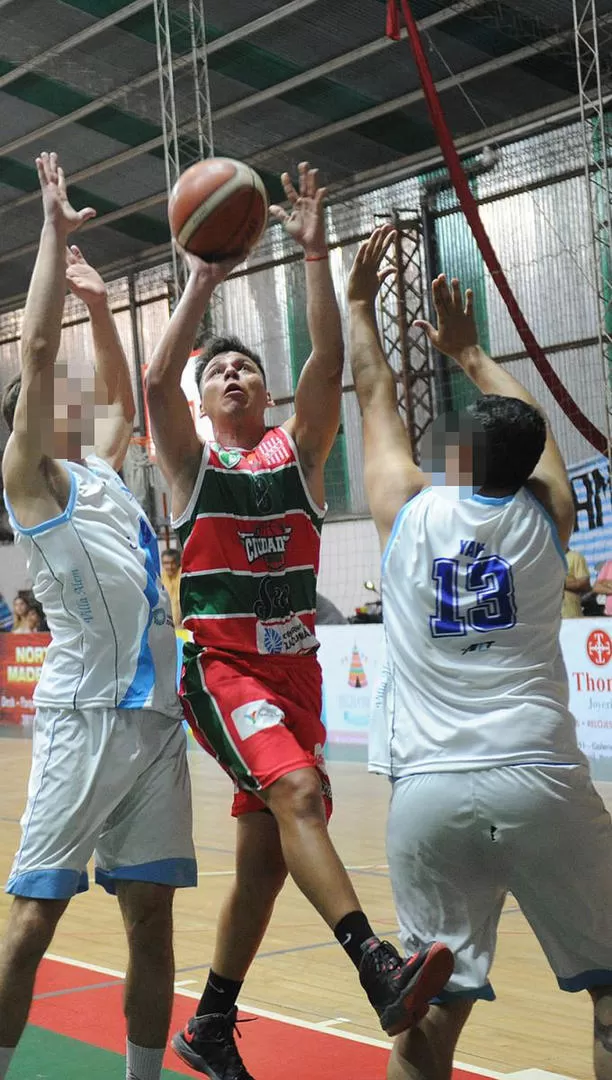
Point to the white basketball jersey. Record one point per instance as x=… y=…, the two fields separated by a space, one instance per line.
x=474 y=678
x=95 y=570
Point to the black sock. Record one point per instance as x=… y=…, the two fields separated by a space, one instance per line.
x=352 y=930
x=219 y=995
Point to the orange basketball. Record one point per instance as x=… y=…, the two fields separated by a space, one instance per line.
x=218 y=209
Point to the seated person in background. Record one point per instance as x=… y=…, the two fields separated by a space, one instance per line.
x=21 y=606
x=6 y=619
x=327 y=613
x=603 y=587
x=577 y=583
x=171 y=580
x=35 y=620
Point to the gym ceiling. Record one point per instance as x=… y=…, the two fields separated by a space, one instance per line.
x=314 y=79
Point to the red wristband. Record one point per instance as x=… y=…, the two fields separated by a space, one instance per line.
x=316 y=258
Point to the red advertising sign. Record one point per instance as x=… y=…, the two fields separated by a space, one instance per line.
x=21 y=659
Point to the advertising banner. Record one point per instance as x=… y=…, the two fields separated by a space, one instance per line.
x=592 y=537
x=351 y=658
x=21 y=658
x=587 y=650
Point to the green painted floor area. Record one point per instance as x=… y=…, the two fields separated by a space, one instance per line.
x=43 y=1055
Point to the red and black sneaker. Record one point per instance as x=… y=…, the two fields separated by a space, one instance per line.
x=207 y=1044
x=400 y=990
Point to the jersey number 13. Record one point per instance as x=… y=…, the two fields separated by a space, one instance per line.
x=494 y=607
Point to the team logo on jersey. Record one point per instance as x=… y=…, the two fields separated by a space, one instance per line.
x=267 y=542
x=273 y=599
x=284 y=636
x=478 y=646
x=256 y=716
x=599 y=647
x=228 y=458
x=274 y=450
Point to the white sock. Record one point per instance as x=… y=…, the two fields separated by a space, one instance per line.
x=142 y=1062
x=6 y=1053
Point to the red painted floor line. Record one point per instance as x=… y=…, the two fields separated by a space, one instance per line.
x=86 y=1008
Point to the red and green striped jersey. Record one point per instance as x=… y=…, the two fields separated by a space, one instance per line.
x=251 y=537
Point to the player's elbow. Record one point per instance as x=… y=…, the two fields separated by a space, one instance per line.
x=37 y=352
x=154 y=383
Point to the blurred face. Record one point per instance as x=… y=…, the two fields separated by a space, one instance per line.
x=449 y=457
x=170 y=565
x=20 y=607
x=232 y=385
x=33 y=619
x=73 y=416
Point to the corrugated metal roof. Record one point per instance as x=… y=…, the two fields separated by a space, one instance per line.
x=318 y=81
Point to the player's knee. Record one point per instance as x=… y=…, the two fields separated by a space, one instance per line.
x=147 y=915
x=298 y=794
x=31 y=927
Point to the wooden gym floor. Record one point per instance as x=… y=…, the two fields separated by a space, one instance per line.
x=300 y=971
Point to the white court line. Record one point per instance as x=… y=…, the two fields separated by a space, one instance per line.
x=526 y=1074
x=216 y=873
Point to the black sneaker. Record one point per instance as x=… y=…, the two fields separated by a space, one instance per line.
x=400 y=990
x=207 y=1044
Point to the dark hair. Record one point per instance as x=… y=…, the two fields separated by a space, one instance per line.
x=217 y=346
x=509 y=437
x=171 y=553
x=9 y=401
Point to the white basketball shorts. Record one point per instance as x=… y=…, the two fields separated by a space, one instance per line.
x=112 y=783
x=457 y=843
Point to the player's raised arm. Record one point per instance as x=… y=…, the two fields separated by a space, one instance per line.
x=390 y=473
x=33 y=483
x=176 y=441
x=114 y=396
x=457 y=336
x=319 y=391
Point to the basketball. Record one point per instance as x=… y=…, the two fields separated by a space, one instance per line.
x=218 y=209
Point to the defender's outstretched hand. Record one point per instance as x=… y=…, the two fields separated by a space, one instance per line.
x=56 y=205
x=366 y=278
x=306 y=222
x=456 y=330
x=82 y=279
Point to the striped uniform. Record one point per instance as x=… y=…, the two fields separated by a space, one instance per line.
x=251 y=684
x=109 y=771
x=490 y=790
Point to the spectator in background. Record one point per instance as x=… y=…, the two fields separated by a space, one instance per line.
x=327 y=613
x=21 y=606
x=35 y=620
x=171 y=579
x=603 y=586
x=6 y=619
x=577 y=583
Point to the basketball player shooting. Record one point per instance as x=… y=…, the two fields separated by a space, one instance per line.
x=490 y=790
x=248 y=508
x=109 y=771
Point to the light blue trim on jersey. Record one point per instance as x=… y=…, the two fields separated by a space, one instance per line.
x=138 y=693
x=585 y=980
x=178 y=873
x=479 y=993
x=553 y=528
x=48 y=884
x=52 y=523
x=492 y=500
x=397 y=524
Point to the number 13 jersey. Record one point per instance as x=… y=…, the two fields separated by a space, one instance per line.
x=474 y=678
